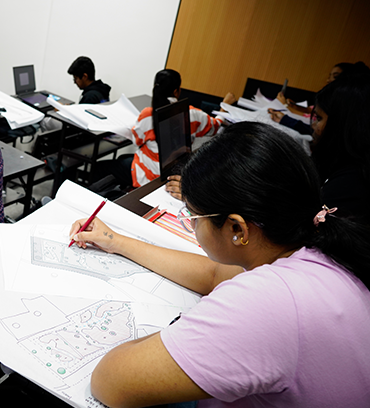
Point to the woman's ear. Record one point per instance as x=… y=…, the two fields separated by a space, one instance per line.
x=238 y=229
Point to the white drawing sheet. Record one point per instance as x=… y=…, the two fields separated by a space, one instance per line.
x=160 y=197
x=41 y=262
x=56 y=342
x=62 y=309
x=120 y=115
x=18 y=114
x=45 y=264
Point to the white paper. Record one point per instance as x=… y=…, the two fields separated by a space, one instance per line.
x=56 y=342
x=18 y=114
x=121 y=116
x=262 y=115
x=160 y=197
x=41 y=262
x=62 y=315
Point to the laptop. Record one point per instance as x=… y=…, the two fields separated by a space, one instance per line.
x=25 y=89
x=172 y=130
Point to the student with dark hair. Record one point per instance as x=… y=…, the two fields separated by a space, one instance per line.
x=83 y=71
x=288 y=326
x=339 y=70
x=341 y=149
x=142 y=167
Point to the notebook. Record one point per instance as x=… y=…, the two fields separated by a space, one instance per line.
x=25 y=88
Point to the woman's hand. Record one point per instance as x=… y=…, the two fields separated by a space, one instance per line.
x=96 y=233
x=229 y=98
x=173 y=186
x=281 y=98
x=276 y=116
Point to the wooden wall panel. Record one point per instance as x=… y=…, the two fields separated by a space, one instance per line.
x=218 y=44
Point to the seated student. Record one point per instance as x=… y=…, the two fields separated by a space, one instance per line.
x=142 y=167
x=288 y=326
x=94 y=91
x=339 y=70
x=341 y=146
x=341 y=149
x=83 y=71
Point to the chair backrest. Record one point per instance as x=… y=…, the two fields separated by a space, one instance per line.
x=206 y=102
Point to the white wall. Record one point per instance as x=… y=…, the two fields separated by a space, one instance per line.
x=128 y=40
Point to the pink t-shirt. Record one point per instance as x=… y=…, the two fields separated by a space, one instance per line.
x=292 y=334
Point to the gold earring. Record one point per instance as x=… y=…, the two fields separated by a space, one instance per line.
x=244 y=243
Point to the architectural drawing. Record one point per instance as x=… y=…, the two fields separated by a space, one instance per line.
x=48 y=266
x=64 y=344
x=59 y=349
x=91 y=261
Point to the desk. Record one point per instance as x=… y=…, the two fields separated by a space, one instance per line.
x=16 y=165
x=92 y=146
x=44 y=107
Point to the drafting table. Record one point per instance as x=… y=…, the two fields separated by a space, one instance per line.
x=90 y=145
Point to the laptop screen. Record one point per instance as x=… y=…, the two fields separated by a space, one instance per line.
x=24 y=79
x=172 y=130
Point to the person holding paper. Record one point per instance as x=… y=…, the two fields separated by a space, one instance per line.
x=339 y=70
x=285 y=316
x=142 y=167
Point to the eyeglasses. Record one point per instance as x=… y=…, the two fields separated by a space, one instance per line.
x=189 y=221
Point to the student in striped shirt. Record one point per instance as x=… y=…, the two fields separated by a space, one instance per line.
x=142 y=167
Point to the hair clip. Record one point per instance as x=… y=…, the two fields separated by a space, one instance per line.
x=320 y=216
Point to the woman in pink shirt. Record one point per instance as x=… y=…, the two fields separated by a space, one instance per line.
x=285 y=316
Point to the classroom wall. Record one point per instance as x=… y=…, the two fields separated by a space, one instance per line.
x=128 y=40
x=217 y=45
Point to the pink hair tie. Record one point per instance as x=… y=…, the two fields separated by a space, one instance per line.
x=320 y=216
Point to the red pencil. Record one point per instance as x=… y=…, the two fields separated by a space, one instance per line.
x=89 y=220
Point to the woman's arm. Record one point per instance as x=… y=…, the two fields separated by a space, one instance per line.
x=195 y=272
x=142 y=373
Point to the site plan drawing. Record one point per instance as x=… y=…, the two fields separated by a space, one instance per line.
x=92 y=261
x=44 y=264
x=62 y=309
x=64 y=348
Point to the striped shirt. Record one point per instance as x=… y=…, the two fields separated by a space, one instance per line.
x=145 y=166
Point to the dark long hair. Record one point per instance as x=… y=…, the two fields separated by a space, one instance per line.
x=348 y=68
x=165 y=83
x=254 y=170
x=345 y=140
